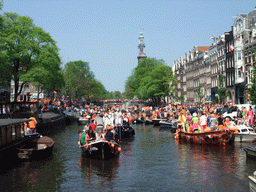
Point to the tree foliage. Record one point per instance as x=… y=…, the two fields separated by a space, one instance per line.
x=78 y=79
x=222 y=92
x=25 y=49
x=252 y=89
x=200 y=92
x=150 y=80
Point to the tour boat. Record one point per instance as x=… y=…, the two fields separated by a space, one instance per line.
x=206 y=138
x=39 y=148
x=101 y=149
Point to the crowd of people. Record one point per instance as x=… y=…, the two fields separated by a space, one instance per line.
x=190 y=118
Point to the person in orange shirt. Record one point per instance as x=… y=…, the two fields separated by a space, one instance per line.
x=32 y=124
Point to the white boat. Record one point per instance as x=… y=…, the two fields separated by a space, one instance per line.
x=245 y=134
x=252 y=182
x=169 y=124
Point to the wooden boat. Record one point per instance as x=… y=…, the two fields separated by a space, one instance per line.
x=148 y=122
x=250 y=151
x=156 y=122
x=252 y=182
x=12 y=136
x=137 y=121
x=124 y=131
x=206 y=138
x=101 y=149
x=38 y=148
x=71 y=117
x=169 y=124
x=49 y=122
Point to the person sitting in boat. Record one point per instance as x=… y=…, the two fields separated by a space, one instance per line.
x=82 y=136
x=91 y=134
x=99 y=135
x=109 y=134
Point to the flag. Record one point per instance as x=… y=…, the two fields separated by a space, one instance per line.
x=231 y=48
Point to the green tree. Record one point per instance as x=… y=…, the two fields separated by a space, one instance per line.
x=130 y=87
x=98 y=90
x=78 y=79
x=21 y=43
x=252 y=89
x=200 y=92
x=222 y=92
x=151 y=79
x=47 y=74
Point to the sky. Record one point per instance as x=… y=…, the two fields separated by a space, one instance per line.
x=105 y=33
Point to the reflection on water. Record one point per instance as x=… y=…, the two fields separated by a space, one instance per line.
x=151 y=161
x=102 y=168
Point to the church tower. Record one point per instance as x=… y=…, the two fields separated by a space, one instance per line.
x=141 y=47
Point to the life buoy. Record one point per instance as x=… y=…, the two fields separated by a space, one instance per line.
x=207 y=140
x=184 y=138
x=216 y=139
x=225 y=138
x=191 y=139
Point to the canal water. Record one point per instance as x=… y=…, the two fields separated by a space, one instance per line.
x=151 y=161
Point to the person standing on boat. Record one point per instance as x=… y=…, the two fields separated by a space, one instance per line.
x=99 y=122
x=250 y=114
x=32 y=124
x=213 y=122
x=195 y=121
x=181 y=121
x=109 y=135
x=203 y=122
x=93 y=125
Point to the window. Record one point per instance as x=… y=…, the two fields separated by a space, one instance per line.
x=239 y=57
x=26 y=88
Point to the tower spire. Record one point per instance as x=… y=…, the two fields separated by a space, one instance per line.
x=141 y=47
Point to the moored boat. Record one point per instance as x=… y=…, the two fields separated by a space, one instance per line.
x=169 y=124
x=38 y=148
x=125 y=131
x=250 y=151
x=101 y=149
x=222 y=137
x=137 y=121
x=49 y=122
x=83 y=120
x=71 y=117
x=245 y=134
x=12 y=136
x=156 y=122
x=252 y=182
